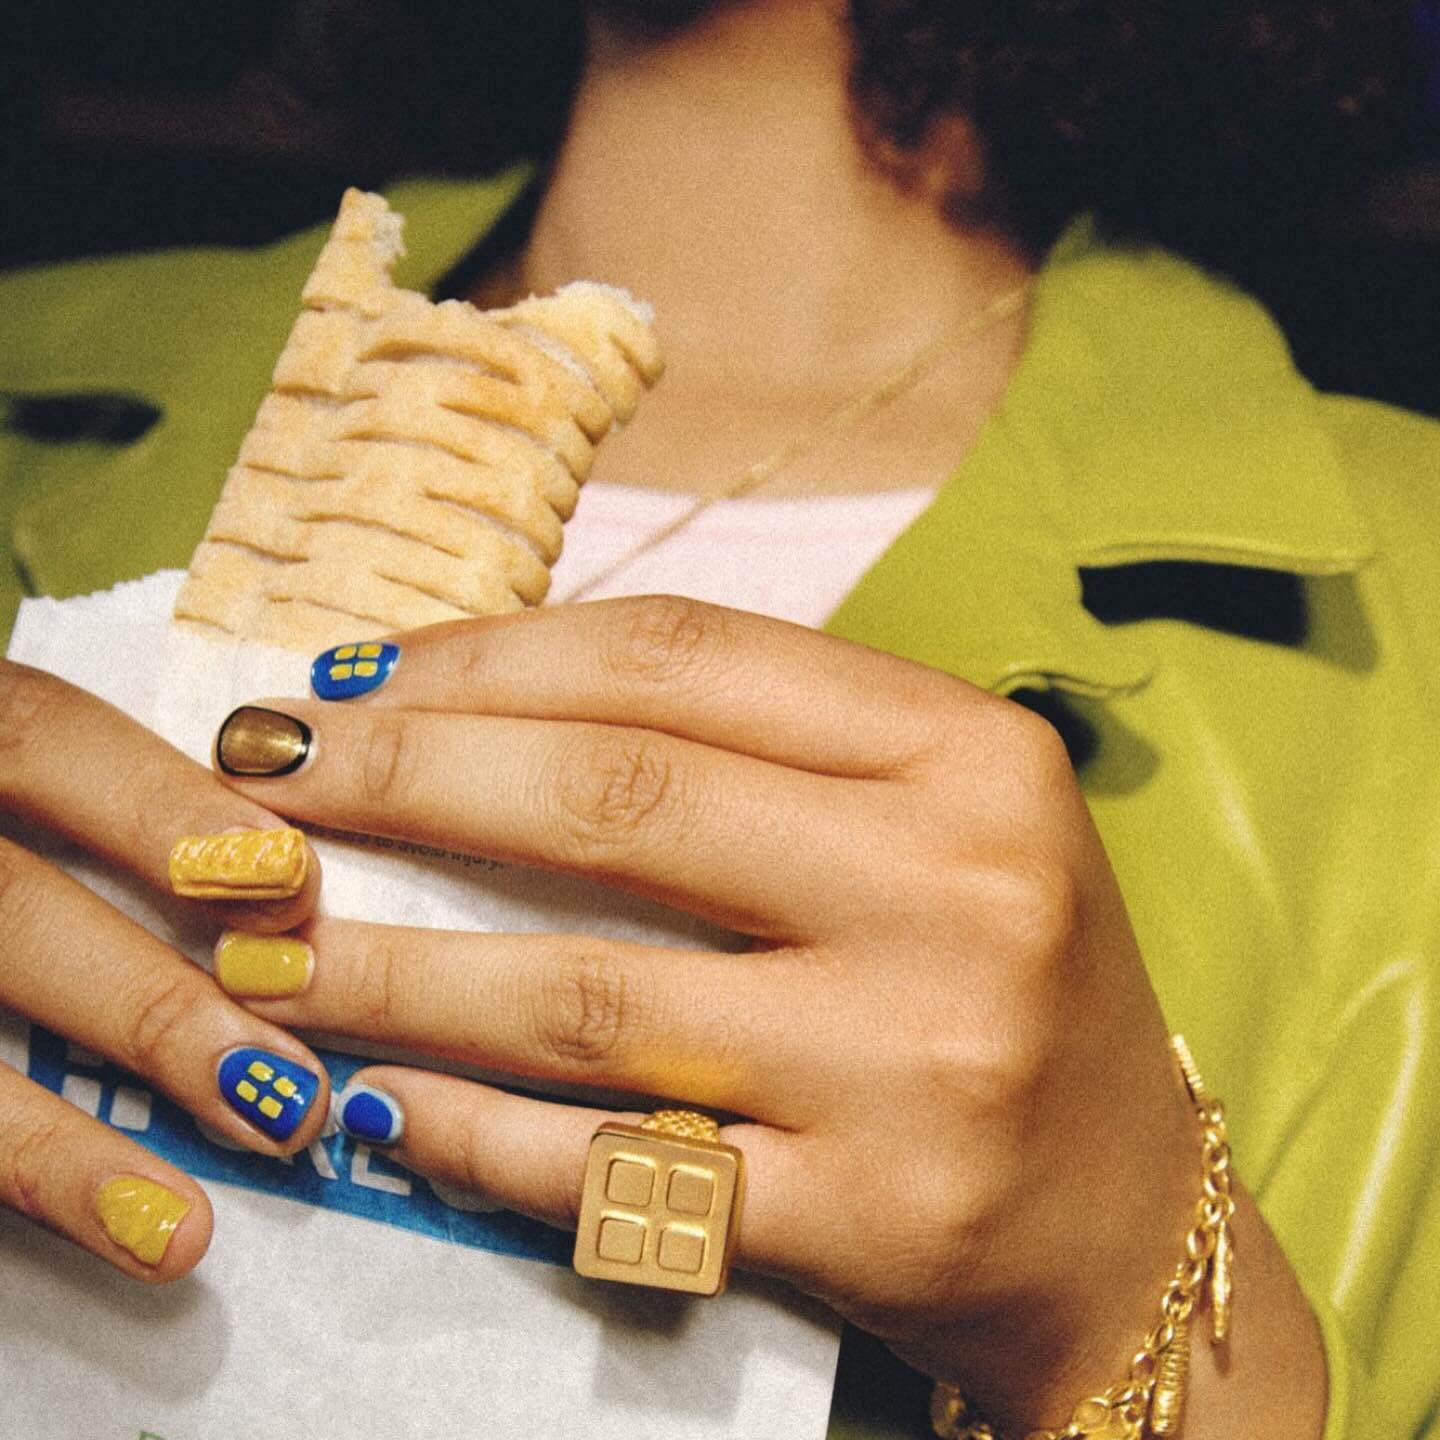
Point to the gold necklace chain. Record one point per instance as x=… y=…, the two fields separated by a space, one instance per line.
x=844 y=416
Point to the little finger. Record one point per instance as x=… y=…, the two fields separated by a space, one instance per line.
x=529 y=1155
x=85 y=1181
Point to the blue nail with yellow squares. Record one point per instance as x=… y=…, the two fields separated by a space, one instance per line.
x=345 y=671
x=269 y=1091
x=369 y=1114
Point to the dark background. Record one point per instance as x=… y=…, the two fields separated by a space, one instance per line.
x=171 y=122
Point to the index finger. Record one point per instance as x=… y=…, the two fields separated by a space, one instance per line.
x=746 y=683
x=74 y=764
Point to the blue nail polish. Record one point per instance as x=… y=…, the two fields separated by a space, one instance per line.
x=370 y=1115
x=345 y=671
x=269 y=1091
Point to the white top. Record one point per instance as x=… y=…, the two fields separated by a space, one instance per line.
x=793 y=558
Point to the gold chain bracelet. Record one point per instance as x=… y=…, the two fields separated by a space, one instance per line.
x=1151 y=1399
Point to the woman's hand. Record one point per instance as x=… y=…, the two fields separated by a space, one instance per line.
x=73 y=764
x=962 y=1123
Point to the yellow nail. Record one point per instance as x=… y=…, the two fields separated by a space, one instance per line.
x=241 y=865
x=262 y=967
x=140 y=1215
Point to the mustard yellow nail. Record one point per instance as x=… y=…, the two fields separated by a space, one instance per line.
x=140 y=1215
x=240 y=865
x=262 y=967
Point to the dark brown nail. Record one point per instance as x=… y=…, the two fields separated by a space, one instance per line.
x=257 y=742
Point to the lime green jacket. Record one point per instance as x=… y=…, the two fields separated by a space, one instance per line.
x=1272 y=808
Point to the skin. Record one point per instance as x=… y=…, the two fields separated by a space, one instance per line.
x=793 y=278
x=72 y=764
x=913 y=856
x=926 y=1043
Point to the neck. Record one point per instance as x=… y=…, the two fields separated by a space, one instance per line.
x=714 y=171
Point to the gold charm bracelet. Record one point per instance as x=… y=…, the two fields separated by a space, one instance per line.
x=1150 y=1401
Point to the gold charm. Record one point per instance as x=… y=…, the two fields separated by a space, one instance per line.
x=950 y=1416
x=1167 y=1407
x=1222 y=1284
x=1189 y=1069
x=1097 y=1419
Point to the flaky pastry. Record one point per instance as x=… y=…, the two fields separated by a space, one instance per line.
x=413 y=462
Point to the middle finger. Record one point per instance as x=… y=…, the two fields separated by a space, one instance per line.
x=767 y=850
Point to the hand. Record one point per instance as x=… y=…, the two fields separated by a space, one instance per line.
x=73 y=764
x=962 y=1123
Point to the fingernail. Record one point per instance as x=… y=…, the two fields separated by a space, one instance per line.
x=255 y=741
x=240 y=865
x=262 y=967
x=140 y=1215
x=369 y=1114
x=268 y=1090
x=345 y=671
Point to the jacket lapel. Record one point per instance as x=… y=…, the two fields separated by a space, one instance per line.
x=1155 y=415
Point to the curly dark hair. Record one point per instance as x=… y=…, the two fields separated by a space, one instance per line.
x=1208 y=127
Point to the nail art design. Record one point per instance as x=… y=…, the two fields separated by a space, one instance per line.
x=345 y=671
x=254 y=741
x=262 y=967
x=240 y=865
x=140 y=1215
x=369 y=1115
x=268 y=1090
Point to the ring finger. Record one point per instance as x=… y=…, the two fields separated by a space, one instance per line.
x=572 y=1008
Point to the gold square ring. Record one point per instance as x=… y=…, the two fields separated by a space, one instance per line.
x=661 y=1204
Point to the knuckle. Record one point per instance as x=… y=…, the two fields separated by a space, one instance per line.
x=388 y=762
x=378 y=987
x=587 y=1011
x=19 y=894
x=1042 y=909
x=990 y=1077
x=1029 y=909
x=611 y=788
x=159 y=1019
x=469 y=1157
x=469 y=1153
x=965 y=1077
x=150 y=791
x=34 y=1158
x=1016 y=1072
x=29 y=702
x=935 y=1241
x=1038 y=749
x=665 y=638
